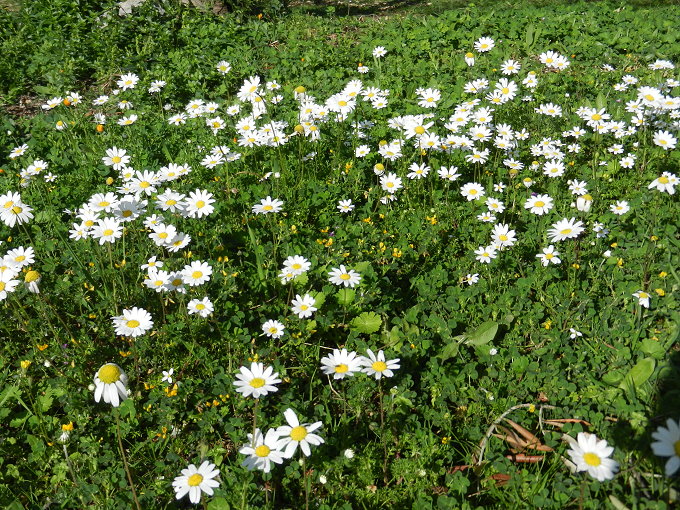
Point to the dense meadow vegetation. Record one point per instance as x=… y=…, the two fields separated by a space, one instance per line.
x=288 y=258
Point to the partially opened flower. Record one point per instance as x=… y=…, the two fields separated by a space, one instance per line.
x=195 y=480
x=592 y=455
x=296 y=434
x=111 y=384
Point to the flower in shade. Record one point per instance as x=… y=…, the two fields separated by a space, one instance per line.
x=193 y=481
x=667 y=444
x=273 y=329
x=377 y=366
x=134 y=322
x=110 y=383
x=642 y=297
x=256 y=381
x=298 y=434
x=262 y=451
x=31 y=280
x=592 y=455
x=341 y=364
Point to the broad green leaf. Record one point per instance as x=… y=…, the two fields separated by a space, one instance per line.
x=218 y=504
x=367 y=322
x=652 y=348
x=451 y=349
x=484 y=333
x=345 y=296
x=639 y=374
x=612 y=378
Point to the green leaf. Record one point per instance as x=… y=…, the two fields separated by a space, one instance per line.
x=218 y=504
x=345 y=296
x=451 y=349
x=639 y=374
x=367 y=322
x=612 y=378
x=652 y=348
x=484 y=333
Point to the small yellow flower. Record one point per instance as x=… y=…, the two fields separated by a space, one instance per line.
x=660 y=292
x=68 y=427
x=41 y=347
x=619 y=262
x=446 y=439
x=532 y=408
x=367 y=220
x=171 y=392
x=109 y=181
x=663 y=274
x=25 y=364
x=575 y=265
x=654 y=238
x=547 y=324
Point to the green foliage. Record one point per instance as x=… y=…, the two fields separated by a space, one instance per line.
x=468 y=351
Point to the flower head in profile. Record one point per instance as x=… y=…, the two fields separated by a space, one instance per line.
x=298 y=434
x=194 y=481
x=592 y=455
x=268 y=205
x=667 y=444
x=565 y=229
x=133 y=322
x=110 y=383
x=642 y=297
x=377 y=366
x=256 y=381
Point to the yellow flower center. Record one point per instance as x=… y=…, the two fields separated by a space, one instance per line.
x=262 y=450
x=345 y=276
x=116 y=159
x=341 y=368
x=298 y=433
x=503 y=237
x=257 y=382
x=597 y=116
x=419 y=130
x=144 y=184
x=200 y=306
x=195 y=480
x=539 y=203
x=663 y=180
x=9 y=205
x=273 y=330
x=676 y=448
x=2 y=286
x=104 y=203
x=109 y=373
x=565 y=231
x=200 y=204
x=342 y=103
x=16 y=209
x=108 y=232
x=20 y=258
x=505 y=90
x=32 y=276
x=379 y=366
x=171 y=202
x=592 y=459
x=132 y=323
x=163 y=235
x=127 y=213
x=473 y=192
x=268 y=208
x=196 y=275
x=549 y=256
x=304 y=307
x=649 y=97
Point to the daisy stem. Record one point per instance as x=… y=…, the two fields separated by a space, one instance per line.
x=382 y=430
x=125 y=462
x=113 y=279
x=257 y=403
x=305 y=481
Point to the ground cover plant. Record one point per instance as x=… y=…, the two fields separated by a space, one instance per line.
x=419 y=262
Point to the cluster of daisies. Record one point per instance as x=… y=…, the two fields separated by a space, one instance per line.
x=15 y=265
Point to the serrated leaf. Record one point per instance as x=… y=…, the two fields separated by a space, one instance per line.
x=367 y=322
x=484 y=333
x=345 y=296
x=639 y=374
